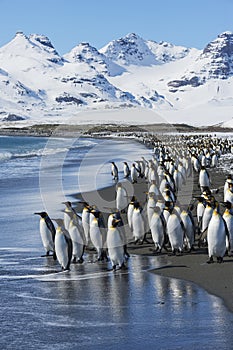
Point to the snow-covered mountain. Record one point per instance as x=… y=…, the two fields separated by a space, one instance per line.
x=182 y=85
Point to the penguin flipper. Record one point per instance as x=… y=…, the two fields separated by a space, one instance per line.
x=70 y=251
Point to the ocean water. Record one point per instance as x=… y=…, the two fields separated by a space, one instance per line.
x=88 y=307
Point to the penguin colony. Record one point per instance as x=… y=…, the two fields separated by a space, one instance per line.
x=158 y=214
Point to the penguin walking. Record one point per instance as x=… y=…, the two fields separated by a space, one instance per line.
x=115 y=245
x=78 y=238
x=134 y=173
x=216 y=237
x=151 y=204
x=63 y=245
x=228 y=218
x=86 y=222
x=207 y=215
x=158 y=229
x=126 y=170
x=204 y=178
x=200 y=211
x=189 y=228
x=98 y=234
x=175 y=231
x=138 y=224
x=114 y=171
x=130 y=213
x=47 y=233
x=121 y=198
x=67 y=218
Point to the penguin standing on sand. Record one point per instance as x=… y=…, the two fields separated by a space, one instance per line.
x=78 y=238
x=200 y=211
x=130 y=212
x=204 y=178
x=47 y=232
x=86 y=222
x=207 y=215
x=98 y=234
x=121 y=197
x=134 y=174
x=158 y=229
x=189 y=228
x=138 y=224
x=63 y=245
x=114 y=171
x=228 y=218
x=115 y=245
x=126 y=170
x=175 y=231
x=67 y=218
x=216 y=237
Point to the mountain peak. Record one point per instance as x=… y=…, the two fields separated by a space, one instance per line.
x=129 y=50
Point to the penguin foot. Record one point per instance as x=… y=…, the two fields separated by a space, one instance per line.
x=114 y=268
x=74 y=260
x=123 y=267
x=80 y=261
x=210 y=261
x=219 y=259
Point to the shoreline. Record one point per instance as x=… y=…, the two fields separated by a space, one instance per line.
x=91 y=130
x=215 y=278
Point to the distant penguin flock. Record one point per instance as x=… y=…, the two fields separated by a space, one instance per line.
x=156 y=214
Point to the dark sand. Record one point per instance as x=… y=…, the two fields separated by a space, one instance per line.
x=217 y=279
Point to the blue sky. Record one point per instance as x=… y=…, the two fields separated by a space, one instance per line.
x=191 y=23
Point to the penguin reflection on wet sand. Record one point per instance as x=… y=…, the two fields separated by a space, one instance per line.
x=63 y=245
x=47 y=232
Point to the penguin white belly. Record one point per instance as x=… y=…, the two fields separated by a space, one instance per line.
x=200 y=212
x=166 y=215
x=204 y=179
x=86 y=225
x=175 y=233
x=157 y=231
x=115 y=247
x=130 y=215
x=77 y=240
x=216 y=237
x=46 y=236
x=121 y=199
x=66 y=221
x=138 y=225
x=150 y=210
x=61 y=249
x=96 y=238
x=206 y=218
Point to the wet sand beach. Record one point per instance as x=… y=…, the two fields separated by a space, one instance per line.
x=216 y=279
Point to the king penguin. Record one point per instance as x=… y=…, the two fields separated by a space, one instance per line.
x=115 y=245
x=98 y=234
x=158 y=229
x=138 y=223
x=121 y=198
x=126 y=170
x=216 y=237
x=228 y=218
x=63 y=245
x=175 y=231
x=67 y=218
x=114 y=171
x=47 y=232
x=77 y=236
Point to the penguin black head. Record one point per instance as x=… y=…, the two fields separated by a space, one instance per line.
x=43 y=214
x=227 y=204
x=67 y=204
x=115 y=222
x=136 y=205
